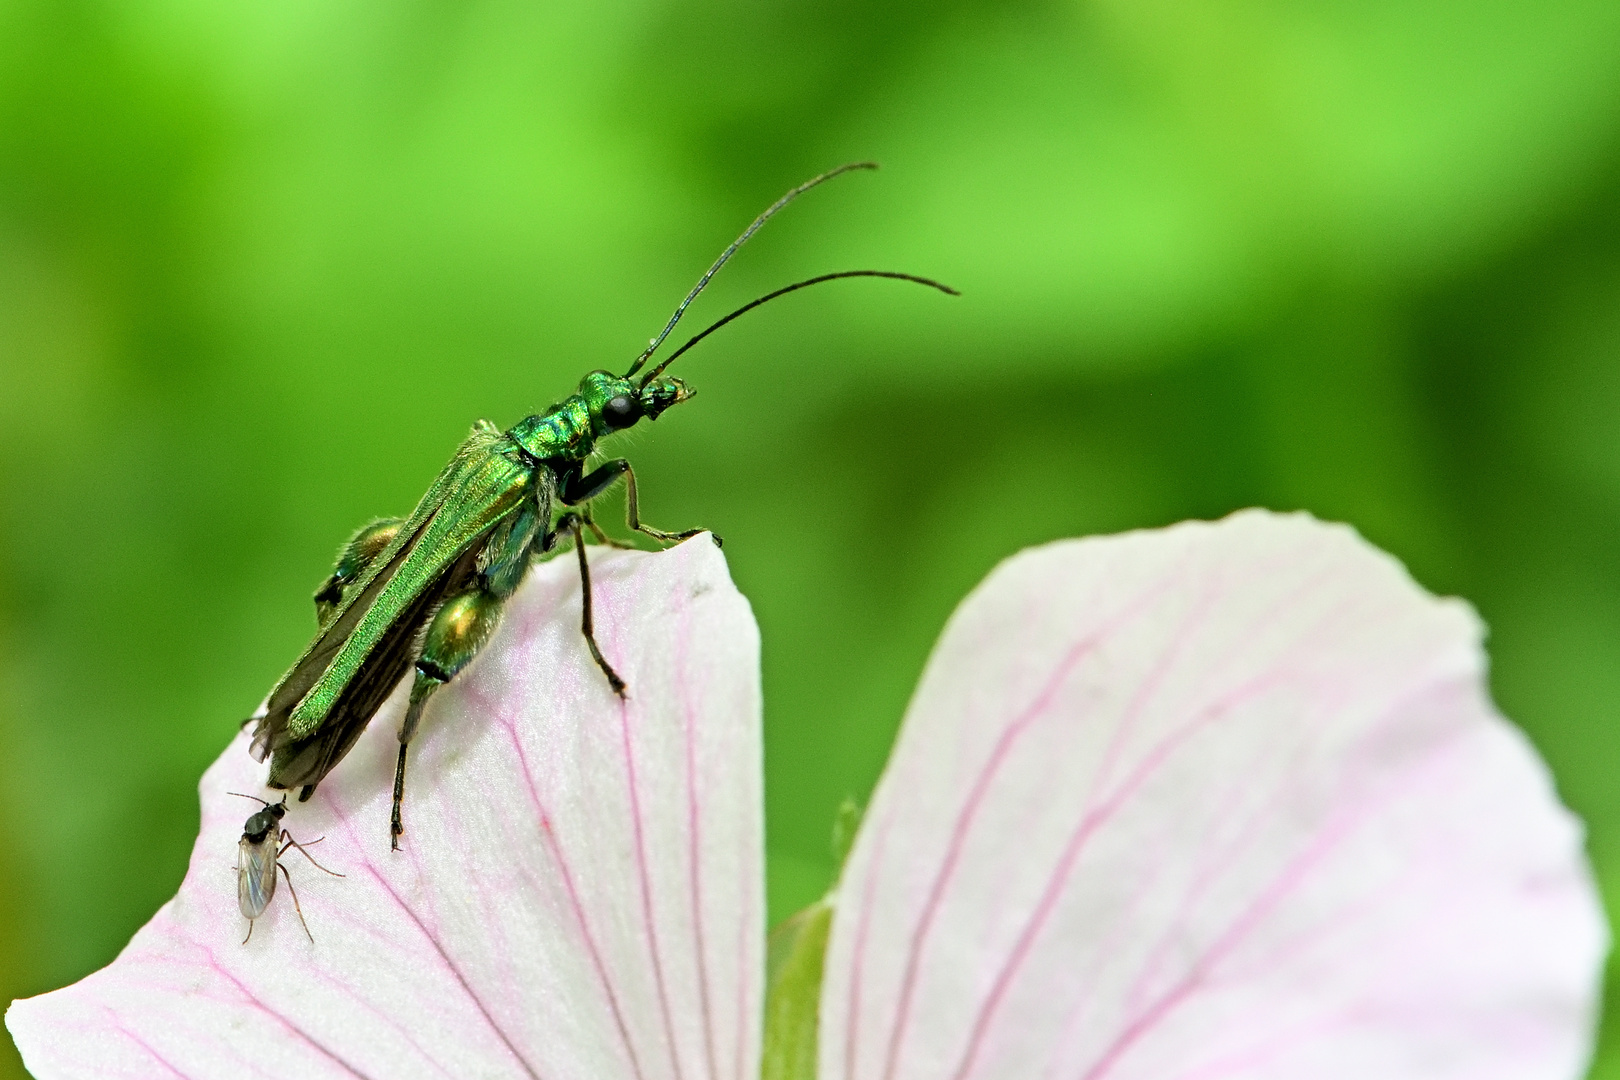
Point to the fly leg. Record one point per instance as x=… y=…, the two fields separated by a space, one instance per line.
x=296 y=906
x=577 y=489
x=303 y=850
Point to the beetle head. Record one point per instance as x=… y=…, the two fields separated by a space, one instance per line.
x=616 y=403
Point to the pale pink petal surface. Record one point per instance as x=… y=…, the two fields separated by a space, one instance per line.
x=1222 y=800
x=579 y=895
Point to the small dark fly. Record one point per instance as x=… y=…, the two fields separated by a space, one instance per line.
x=258 y=856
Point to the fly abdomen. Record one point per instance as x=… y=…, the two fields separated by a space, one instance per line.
x=256 y=862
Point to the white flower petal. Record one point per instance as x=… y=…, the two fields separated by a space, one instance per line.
x=579 y=893
x=1216 y=801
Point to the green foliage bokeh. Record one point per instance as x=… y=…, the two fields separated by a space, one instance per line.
x=261 y=265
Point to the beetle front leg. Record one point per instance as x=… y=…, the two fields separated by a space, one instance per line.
x=601 y=537
x=580 y=489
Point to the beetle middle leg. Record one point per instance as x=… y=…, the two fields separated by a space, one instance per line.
x=578 y=489
x=571 y=522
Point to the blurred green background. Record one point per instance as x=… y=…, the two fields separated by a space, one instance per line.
x=261 y=264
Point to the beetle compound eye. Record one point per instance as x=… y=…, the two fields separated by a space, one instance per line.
x=621 y=411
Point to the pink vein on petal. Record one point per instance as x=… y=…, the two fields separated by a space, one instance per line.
x=1099 y=814
x=646 y=889
x=1242 y=1062
x=959 y=832
x=694 y=838
x=1213 y=865
x=1218 y=861
x=1088 y=827
x=1218 y=858
x=1285 y=883
x=857 y=962
x=455 y=971
x=401 y=1031
x=1145 y=692
x=431 y=937
x=1200 y=969
x=574 y=902
x=1009 y=736
x=220 y=970
x=748 y=960
x=142 y=1043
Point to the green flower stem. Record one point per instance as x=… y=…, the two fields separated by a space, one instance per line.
x=793 y=993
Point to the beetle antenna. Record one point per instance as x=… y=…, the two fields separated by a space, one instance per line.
x=783 y=291
x=703 y=281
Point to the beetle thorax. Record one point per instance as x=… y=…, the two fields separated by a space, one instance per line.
x=604 y=403
x=564 y=431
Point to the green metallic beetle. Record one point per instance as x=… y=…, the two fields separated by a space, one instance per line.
x=426 y=591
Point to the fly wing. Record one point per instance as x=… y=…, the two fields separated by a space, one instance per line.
x=256 y=873
x=485 y=481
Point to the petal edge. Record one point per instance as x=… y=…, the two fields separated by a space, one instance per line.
x=1218 y=800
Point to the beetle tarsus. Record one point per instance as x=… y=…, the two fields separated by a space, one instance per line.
x=396 y=828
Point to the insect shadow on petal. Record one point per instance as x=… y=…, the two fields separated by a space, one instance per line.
x=258 y=857
x=426 y=591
